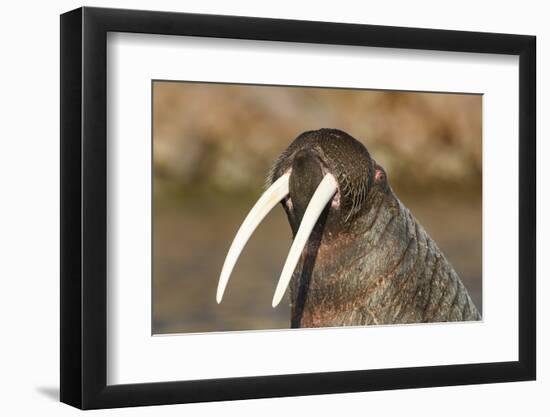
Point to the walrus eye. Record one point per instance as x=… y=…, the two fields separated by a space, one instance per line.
x=278 y=190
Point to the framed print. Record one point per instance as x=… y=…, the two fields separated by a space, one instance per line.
x=258 y=207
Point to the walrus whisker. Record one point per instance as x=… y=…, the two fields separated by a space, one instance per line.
x=269 y=199
x=323 y=194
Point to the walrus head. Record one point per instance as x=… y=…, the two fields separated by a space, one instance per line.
x=333 y=154
x=326 y=181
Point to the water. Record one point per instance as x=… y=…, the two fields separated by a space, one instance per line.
x=192 y=236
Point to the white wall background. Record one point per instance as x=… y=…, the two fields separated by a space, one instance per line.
x=29 y=209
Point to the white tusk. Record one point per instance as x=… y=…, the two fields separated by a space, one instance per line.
x=269 y=199
x=323 y=194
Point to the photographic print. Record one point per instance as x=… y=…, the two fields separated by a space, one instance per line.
x=278 y=207
x=341 y=188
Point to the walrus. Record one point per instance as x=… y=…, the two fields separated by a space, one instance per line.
x=359 y=257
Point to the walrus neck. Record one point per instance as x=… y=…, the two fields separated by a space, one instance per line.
x=393 y=272
x=329 y=281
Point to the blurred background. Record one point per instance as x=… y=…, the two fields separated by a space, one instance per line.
x=212 y=147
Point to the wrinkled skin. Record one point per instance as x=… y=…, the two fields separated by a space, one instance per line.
x=368 y=260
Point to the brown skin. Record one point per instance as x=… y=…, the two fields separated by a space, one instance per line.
x=368 y=260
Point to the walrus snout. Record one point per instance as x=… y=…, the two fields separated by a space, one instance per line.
x=306 y=174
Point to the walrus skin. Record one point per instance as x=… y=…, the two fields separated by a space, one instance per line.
x=368 y=260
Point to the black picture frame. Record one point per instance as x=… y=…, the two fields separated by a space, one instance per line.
x=84 y=207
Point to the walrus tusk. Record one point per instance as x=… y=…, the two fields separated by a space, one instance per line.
x=269 y=199
x=323 y=194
